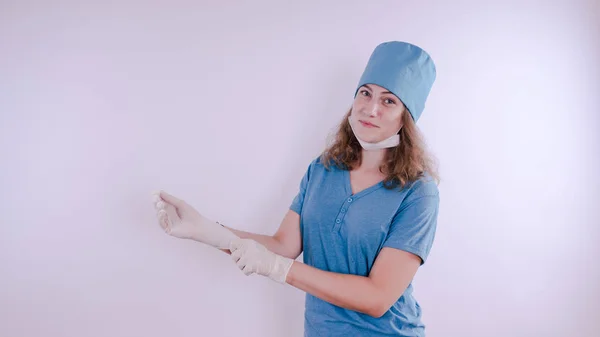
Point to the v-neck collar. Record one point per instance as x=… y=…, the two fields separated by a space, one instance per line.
x=362 y=193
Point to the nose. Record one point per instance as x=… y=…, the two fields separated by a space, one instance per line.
x=372 y=109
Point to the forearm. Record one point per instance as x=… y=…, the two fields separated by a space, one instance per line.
x=348 y=291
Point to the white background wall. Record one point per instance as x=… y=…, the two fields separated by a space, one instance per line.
x=103 y=102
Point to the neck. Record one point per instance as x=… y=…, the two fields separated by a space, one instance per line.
x=372 y=159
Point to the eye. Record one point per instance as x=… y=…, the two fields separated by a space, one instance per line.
x=365 y=92
x=389 y=101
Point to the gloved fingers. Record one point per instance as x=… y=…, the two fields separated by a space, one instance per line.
x=171 y=199
x=163 y=220
x=161 y=214
x=171 y=212
x=160 y=205
x=156 y=197
x=242 y=262
x=245 y=267
x=236 y=254
x=247 y=270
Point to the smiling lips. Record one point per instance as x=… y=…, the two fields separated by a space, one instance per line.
x=367 y=124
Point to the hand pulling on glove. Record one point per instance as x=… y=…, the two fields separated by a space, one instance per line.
x=252 y=257
x=181 y=220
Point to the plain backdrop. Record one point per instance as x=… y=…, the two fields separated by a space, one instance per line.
x=224 y=104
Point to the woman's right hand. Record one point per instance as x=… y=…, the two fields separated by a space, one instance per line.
x=177 y=218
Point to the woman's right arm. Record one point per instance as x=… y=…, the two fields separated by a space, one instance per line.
x=286 y=241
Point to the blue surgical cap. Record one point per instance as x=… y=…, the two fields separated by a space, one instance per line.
x=405 y=70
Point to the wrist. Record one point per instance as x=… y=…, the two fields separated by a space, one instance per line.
x=205 y=231
x=281 y=268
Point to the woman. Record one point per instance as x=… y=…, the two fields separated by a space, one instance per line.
x=365 y=215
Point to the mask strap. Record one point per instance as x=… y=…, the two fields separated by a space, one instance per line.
x=391 y=141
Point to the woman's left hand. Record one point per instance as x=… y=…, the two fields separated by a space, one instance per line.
x=252 y=257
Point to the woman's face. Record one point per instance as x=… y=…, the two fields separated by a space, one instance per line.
x=376 y=113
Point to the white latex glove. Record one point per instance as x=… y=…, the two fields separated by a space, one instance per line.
x=181 y=220
x=252 y=257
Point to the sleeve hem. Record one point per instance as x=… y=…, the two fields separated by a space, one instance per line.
x=412 y=250
x=295 y=208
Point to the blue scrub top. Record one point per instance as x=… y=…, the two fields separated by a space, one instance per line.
x=343 y=232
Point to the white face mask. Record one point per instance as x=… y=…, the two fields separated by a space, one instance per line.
x=392 y=141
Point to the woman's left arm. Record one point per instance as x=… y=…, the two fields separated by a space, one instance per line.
x=392 y=272
x=407 y=245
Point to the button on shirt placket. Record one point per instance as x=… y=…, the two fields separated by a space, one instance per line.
x=342 y=213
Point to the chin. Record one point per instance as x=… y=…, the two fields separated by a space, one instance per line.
x=369 y=137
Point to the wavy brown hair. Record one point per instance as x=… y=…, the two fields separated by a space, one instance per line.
x=402 y=165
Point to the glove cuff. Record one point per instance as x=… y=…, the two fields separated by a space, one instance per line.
x=281 y=269
x=219 y=236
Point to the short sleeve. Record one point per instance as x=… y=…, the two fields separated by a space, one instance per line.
x=414 y=226
x=298 y=201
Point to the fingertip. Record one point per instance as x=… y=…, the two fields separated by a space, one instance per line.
x=170 y=199
x=156 y=196
x=164 y=224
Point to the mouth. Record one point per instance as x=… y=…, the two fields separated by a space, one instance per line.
x=367 y=124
